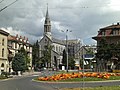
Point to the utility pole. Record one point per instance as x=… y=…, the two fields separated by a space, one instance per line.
x=67 y=48
x=83 y=67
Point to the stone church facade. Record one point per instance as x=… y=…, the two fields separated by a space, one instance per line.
x=57 y=45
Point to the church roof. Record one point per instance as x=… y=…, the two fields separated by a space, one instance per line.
x=58 y=41
x=70 y=42
x=63 y=42
x=57 y=53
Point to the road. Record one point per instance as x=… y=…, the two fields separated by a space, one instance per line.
x=26 y=83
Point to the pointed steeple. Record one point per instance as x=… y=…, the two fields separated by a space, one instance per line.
x=47 y=24
x=47 y=14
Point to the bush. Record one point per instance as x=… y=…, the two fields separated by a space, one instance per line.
x=2 y=77
x=5 y=74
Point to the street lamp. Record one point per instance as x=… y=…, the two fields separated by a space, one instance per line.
x=67 y=47
x=83 y=66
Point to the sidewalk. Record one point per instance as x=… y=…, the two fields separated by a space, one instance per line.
x=31 y=73
x=27 y=74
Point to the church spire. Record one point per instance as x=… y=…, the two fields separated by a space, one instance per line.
x=47 y=14
x=47 y=24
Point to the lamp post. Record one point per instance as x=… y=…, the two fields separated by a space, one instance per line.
x=83 y=67
x=67 y=48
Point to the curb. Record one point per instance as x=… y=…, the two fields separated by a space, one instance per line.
x=75 y=82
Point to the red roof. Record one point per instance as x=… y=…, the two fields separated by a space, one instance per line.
x=16 y=38
x=108 y=31
x=10 y=37
x=111 y=26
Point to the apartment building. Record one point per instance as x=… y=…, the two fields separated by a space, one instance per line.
x=3 y=51
x=16 y=42
x=111 y=34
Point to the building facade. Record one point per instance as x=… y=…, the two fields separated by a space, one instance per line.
x=111 y=34
x=57 y=45
x=3 y=51
x=15 y=43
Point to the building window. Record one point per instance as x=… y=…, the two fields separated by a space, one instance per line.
x=2 y=65
x=45 y=40
x=116 y=32
x=3 y=52
x=59 y=48
x=12 y=45
x=53 y=47
x=15 y=45
x=3 y=42
x=56 y=48
x=103 y=33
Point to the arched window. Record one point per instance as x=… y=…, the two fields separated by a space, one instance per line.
x=2 y=65
x=2 y=41
x=45 y=40
x=15 y=45
x=3 y=52
x=53 y=47
x=56 y=48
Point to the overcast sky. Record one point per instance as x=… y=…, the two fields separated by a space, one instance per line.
x=83 y=17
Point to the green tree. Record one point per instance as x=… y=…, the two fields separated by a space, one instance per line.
x=115 y=50
x=26 y=57
x=47 y=54
x=71 y=62
x=18 y=63
x=104 y=53
x=64 y=60
x=100 y=55
x=35 y=55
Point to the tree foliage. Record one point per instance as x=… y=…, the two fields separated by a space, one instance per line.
x=71 y=62
x=18 y=63
x=47 y=54
x=106 y=52
x=35 y=55
x=26 y=57
x=64 y=60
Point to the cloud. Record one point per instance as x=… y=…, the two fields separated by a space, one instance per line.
x=83 y=17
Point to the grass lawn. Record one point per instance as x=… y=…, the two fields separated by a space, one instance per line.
x=90 y=79
x=95 y=88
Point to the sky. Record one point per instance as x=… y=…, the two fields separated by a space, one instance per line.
x=83 y=17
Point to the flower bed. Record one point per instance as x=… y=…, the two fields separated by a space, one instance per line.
x=66 y=76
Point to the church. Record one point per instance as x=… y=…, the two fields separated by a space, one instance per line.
x=56 y=46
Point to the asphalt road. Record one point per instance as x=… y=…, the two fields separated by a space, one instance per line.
x=26 y=83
